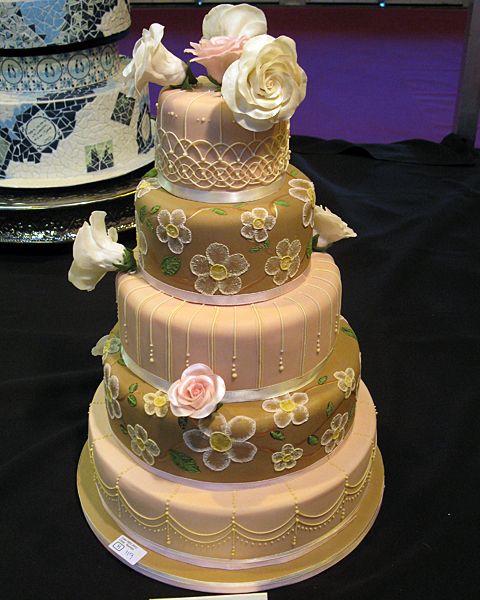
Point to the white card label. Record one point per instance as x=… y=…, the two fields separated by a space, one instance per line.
x=128 y=550
x=254 y=596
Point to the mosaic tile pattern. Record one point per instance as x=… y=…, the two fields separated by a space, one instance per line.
x=123 y=111
x=145 y=141
x=59 y=72
x=99 y=156
x=54 y=137
x=41 y=23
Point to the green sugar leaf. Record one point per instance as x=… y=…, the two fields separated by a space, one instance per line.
x=281 y=203
x=171 y=265
x=254 y=249
x=266 y=243
x=149 y=224
x=129 y=264
x=330 y=408
x=309 y=249
x=312 y=440
x=184 y=462
x=277 y=435
x=120 y=361
x=152 y=173
x=182 y=423
x=132 y=400
x=219 y=211
x=349 y=331
x=142 y=211
x=154 y=210
x=133 y=388
x=123 y=429
x=322 y=380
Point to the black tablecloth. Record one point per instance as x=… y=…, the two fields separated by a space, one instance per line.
x=411 y=292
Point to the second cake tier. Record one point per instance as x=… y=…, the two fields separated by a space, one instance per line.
x=228 y=253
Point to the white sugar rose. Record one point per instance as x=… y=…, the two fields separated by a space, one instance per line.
x=266 y=84
x=152 y=62
x=196 y=393
x=233 y=21
x=95 y=251
x=329 y=227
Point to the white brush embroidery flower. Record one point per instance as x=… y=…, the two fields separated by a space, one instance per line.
x=359 y=377
x=286 y=263
x=141 y=445
x=112 y=389
x=221 y=442
x=330 y=228
x=256 y=224
x=333 y=437
x=303 y=190
x=286 y=458
x=218 y=271
x=107 y=345
x=171 y=229
x=287 y=409
x=146 y=185
x=142 y=247
x=99 y=348
x=346 y=380
x=156 y=403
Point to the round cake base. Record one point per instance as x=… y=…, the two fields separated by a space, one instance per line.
x=211 y=580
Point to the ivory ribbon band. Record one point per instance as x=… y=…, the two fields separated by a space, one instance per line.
x=236 y=300
x=247 y=395
x=218 y=196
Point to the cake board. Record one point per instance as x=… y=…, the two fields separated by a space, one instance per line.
x=213 y=580
x=55 y=215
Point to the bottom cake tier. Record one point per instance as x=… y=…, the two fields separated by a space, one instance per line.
x=235 y=526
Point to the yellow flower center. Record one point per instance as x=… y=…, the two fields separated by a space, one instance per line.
x=336 y=434
x=348 y=381
x=172 y=230
x=258 y=223
x=287 y=405
x=311 y=195
x=220 y=442
x=140 y=443
x=285 y=263
x=287 y=457
x=218 y=272
x=160 y=400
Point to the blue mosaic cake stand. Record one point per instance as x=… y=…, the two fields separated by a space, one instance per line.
x=55 y=215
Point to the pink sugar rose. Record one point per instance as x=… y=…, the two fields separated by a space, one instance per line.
x=217 y=53
x=196 y=393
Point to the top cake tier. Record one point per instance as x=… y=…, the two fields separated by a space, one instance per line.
x=203 y=154
x=30 y=24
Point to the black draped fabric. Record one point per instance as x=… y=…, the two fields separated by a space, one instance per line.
x=411 y=292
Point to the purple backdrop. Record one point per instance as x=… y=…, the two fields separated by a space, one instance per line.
x=375 y=75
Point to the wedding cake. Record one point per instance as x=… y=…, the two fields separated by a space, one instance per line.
x=232 y=432
x=66 y=116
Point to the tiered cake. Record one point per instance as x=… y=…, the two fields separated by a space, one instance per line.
x=232 y=432
x=65 y=114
